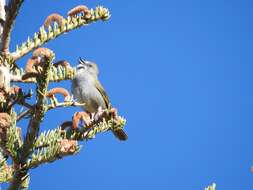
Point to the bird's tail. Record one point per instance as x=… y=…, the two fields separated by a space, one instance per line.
x=120 y=134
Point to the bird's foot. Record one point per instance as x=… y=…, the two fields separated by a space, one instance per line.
x=113 y=112
x=84 y=116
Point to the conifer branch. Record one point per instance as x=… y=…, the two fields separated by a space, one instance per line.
x=57 y=73
x=102 y=121
x=6 y=173
x=38 y=148
x=68 y=24
x=34 y=124
x=55 y=150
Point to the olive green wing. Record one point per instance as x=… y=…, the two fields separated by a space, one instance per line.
x=103 y=93
x=119 y=133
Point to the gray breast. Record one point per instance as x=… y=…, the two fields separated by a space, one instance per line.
x=84 y=91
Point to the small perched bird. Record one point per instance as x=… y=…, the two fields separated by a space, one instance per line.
x=87 y=89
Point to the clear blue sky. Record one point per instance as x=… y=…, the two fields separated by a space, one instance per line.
x=180 y=71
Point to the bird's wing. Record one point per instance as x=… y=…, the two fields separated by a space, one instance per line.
x=103 y=93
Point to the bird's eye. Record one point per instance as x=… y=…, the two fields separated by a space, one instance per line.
x=89 y=65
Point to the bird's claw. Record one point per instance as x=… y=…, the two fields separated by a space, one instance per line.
x=84 y=116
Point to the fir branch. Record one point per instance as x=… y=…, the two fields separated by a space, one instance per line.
x=10 y=140
x=49 y=137
x=6 y=173
x=34 y=124
x=57 y=73
x=56 y=150
x=13 y=9
x=105 y=125
x=71 y=23
x=14 y=142
x=55 y=144
x=60 y=142
x=100 y=122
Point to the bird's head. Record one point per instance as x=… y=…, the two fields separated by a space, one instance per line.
x=87 y=66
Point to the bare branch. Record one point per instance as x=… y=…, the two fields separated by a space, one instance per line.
x=23 y=114
x=64 y=104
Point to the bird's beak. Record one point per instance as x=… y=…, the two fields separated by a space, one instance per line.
x=82 y=61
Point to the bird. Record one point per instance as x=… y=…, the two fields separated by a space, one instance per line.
x=87 y=89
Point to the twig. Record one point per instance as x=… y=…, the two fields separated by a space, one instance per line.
x=50 y=107
x=64 y=104
x=23 y=114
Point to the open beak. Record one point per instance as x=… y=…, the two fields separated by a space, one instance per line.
x=82 y=61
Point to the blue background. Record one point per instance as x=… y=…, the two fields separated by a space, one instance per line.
x=180 y=71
